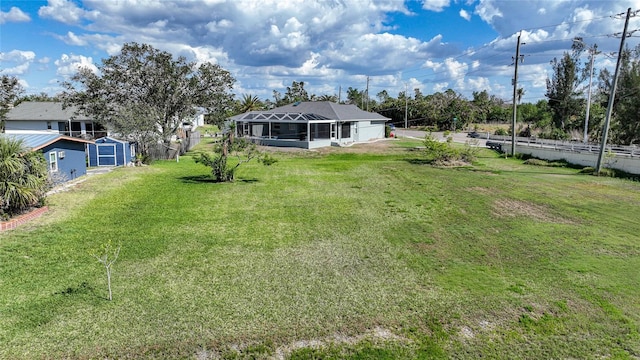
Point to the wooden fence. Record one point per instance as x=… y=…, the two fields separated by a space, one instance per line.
x=163 y=152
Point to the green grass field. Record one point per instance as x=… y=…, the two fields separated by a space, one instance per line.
x=340 y=254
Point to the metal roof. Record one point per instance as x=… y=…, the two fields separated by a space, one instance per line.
x=38 y=141
x=44 y=110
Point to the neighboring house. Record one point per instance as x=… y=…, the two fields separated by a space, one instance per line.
x=108 y=151
x=66 y=156
x=310 y=125
x=50 y=117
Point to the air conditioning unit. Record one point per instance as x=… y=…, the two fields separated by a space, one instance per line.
x=60 y=154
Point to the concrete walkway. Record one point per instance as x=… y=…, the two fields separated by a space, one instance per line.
x=69 y=184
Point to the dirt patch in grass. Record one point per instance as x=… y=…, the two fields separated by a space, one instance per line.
x=481 y=190
x=514 y=208
x=376 y=335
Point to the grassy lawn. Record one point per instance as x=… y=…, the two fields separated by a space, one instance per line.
x=339 y=254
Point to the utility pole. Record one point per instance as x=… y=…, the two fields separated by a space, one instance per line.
x=607 y=119
x=339 y=94
x=367 y=93
x=516 y=60
x=593 y=51
x=406 y=107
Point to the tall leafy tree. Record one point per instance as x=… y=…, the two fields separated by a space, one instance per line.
x=151 y=86
x=23 y=177
x=564 y=101
x=355 y=96
x=39 y=97
x=296 y=92
x=625 y=128
x=10 y=90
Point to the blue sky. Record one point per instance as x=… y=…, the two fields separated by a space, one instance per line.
x=432 y=45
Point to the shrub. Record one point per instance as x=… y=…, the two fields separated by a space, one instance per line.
x=536 y=162
x=24 y=179
x=501 y=131
x=555 y=134
x=540 y=162
x=603 y=171
x=444 y=154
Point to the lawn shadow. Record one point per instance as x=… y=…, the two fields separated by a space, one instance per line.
x=247 y=181
x=417 y=161
x=196 y=179
x=83 y=289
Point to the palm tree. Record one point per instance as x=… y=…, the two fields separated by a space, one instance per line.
x=519 y=94
x=23 y=177
x=250 y=103
x=331 y=98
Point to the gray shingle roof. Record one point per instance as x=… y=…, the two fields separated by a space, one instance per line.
x=43 y=110
x=322 y=110
x=330 y=110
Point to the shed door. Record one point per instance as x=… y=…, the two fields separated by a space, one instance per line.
x=106 y=154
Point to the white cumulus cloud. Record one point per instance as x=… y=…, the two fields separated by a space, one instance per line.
x=18 y=61
x=465 y=14
x=435 y=5
x=68 y=65
x=14 y=15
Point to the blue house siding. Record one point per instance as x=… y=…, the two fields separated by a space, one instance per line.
x=65 y=156
x=71 y=158
x=110 y=152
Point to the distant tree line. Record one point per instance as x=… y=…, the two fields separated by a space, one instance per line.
x=560 y=116
x=146 y=93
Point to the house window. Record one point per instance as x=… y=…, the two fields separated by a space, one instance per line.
x=132 y=149
x=53 y=162
x=63 y=127
x=346 y=130
x=76 y=128
x=48 y=125
x=333 y=130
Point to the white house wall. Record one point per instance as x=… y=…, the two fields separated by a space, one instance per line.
x=369 y=130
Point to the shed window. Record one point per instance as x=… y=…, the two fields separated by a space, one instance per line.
x=53 y=162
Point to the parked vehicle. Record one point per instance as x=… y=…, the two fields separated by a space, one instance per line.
x=473 y=134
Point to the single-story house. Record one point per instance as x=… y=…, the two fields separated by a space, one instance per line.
x=50 y=117
x=108 y=151
x=310 y=125
x=66 y=156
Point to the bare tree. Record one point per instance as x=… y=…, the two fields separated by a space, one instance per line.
x=107 y=255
